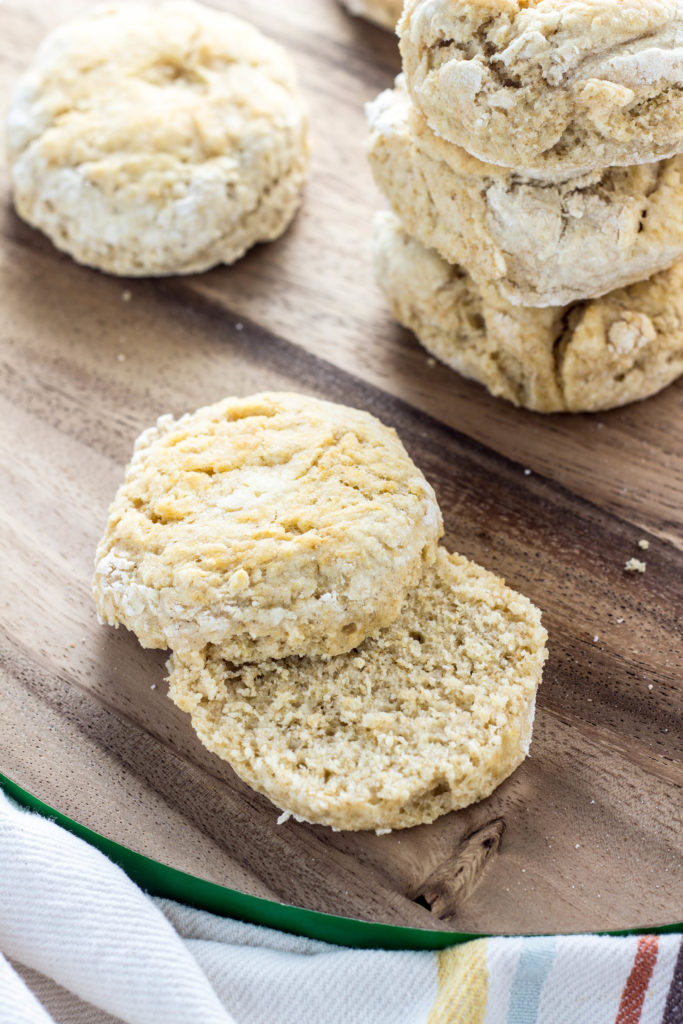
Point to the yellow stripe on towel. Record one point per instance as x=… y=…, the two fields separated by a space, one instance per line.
x=463 y=985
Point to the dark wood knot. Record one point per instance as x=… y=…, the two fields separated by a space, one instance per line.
x=453 y=882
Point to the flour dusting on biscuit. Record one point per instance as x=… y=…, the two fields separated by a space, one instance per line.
x=591 y=355
x=553 y=86
x=539 y=243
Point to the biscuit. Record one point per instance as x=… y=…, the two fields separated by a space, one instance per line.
x=384 y=13
x=539 y=243
x=271 y=525
x=551 y=86
x=584 y=357
x=428 y=716
x=151 y=141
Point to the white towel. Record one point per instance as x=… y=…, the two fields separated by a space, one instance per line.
x=83 y=944
x=79 y=930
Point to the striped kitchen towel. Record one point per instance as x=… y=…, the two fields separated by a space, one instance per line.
x=80 y=943
x=567 y=979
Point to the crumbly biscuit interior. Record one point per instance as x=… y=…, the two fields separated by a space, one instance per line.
x=428 y=715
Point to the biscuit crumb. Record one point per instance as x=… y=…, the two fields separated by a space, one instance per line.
x=153 y=686
x=643 y=544
x=121 y=357
x=620 y=621
x=527 y=472
x=595 y=639
x=285 y=816
x=650 y=686
x=126 y=296
x=238 y=581
x=239 y=326
x=431 y=362
x=635 y=565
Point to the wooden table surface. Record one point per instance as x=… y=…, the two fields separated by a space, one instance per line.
x=594 y=822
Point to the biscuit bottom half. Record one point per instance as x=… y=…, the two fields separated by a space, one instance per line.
x=426 y=717
x=591 y=355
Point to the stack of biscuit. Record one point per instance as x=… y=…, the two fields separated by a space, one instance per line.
x=533 y=157
x=286 y=550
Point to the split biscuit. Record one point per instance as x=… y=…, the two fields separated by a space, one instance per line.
x=271 y=525
x=551 y=86
x=428 y=716
x=538 y=243
x=384 y=13
x=151 y=141
x=584 y=357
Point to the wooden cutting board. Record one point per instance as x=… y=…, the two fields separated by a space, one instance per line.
x=593 y=820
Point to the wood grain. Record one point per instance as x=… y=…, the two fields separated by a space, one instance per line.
x=454 y=880
x=593 y=823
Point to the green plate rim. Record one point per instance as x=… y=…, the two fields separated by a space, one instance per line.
x=160 y=879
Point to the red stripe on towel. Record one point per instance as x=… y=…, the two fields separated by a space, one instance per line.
x=633 y=996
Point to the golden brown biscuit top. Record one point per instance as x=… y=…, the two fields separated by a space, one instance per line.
x=278 y=519
x=132 y=81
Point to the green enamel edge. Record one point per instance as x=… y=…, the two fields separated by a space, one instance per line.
x=159 y=879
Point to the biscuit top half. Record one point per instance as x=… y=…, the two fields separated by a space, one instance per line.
x=552 y=85
x=271 y=525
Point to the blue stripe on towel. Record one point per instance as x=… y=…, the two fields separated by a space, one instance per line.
x=532 y=969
